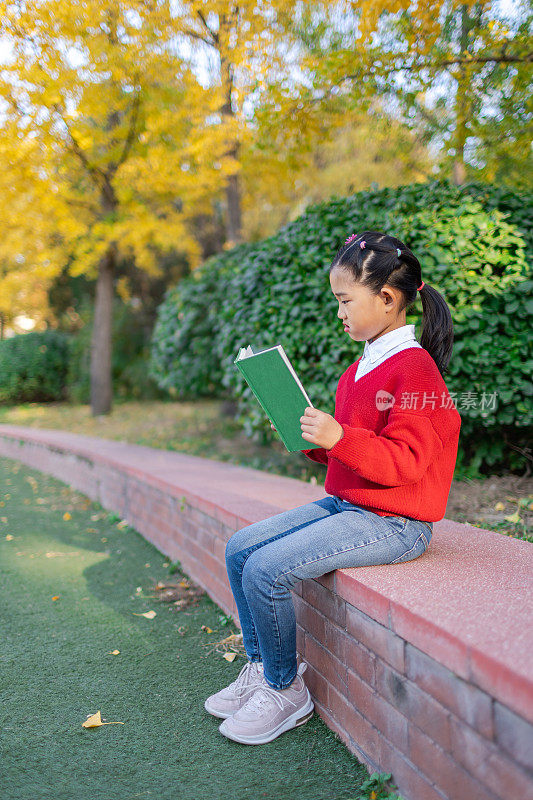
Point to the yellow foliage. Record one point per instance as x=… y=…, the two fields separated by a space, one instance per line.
x=111 y=140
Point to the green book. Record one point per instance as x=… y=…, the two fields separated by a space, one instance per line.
x=271 y=377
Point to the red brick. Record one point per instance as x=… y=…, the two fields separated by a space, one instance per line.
x=335 y=640
x=317 y=685
x=300 y=640
x=220 y=594
x=376 y=637
x=360 y=660
x=483 y=760
x=411 y=783
x=443 y=770
x=219 y=550
x=327 y=580
x=321 y=659
x=227 y=518
x=357 y=594
x=380 y=713
x=298 y=588
x=465 y=700
x=331 y=605
x=418 y=706
x=311 y=620
x=206 y=559
x=356 y=725
x=429 y=637
x=514 y=734
x=343 y=736
x=207 y=541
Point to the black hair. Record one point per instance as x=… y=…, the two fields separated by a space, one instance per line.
x=379 y=263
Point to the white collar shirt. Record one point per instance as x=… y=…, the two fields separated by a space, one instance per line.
x=384 y=347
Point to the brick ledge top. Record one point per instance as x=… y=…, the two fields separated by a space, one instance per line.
x=465 y=602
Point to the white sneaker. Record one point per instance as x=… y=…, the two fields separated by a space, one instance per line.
x=270 y=712
x=227 y=701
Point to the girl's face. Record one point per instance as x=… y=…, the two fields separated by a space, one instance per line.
x=364 y=315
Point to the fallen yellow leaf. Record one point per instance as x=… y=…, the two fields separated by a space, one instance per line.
x=9 y=537
x=95 y=720
x=3 y=519
x=513 y=518
x=66 y=515
x=147 y=614
x=206 y=629
x=122 y=524
x=499 y=506
x=114 y=653
x=229 y=656
x=55 y=597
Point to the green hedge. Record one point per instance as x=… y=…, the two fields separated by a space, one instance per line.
x=475 y=245
x=184 y=358
x=33 y=367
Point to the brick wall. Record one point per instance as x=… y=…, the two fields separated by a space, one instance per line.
x=398 y=708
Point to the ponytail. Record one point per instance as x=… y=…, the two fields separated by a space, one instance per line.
x=437 y=327
x=374 y=259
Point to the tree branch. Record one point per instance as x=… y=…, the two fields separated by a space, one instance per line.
x=208 y=29
x=96 y=172
x=198 y=36
x=133 y=124
x=503 y=58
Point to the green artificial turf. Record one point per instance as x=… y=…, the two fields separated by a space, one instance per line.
x=55 y=670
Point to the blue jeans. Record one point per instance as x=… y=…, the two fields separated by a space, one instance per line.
x=265 y=559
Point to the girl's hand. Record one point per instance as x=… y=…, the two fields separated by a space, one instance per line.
x=320 y=428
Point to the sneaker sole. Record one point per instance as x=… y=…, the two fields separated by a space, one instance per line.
x=299 y=717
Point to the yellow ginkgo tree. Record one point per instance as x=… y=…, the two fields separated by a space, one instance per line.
x=90 y=93
x=130 y=145
x=459 y=70
x=26 y=269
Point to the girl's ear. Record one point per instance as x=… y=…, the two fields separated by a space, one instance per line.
x=387 y=295
x=390 y=295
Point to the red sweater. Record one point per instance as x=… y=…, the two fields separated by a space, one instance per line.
x=398 y=459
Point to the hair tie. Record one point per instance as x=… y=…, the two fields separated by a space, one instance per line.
x=422 y=284
x=350 y=238
x=398 y=251
x=362 y=244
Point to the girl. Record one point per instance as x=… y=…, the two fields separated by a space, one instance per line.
x=390 y=451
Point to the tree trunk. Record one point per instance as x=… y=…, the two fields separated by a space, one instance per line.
x=233 y=197
x=233 y=191
x=461 y=105
x=101 y=381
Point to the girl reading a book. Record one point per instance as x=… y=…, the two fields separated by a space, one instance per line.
x=390 y=450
